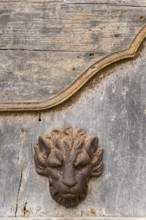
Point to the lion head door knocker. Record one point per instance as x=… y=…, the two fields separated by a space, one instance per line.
x=69 y=158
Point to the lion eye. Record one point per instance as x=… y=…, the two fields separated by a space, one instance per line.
x=57 y=167
x=80 y=166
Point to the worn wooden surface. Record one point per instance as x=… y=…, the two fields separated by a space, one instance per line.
x=73 y=218
x=44 y=46
x=114 y=110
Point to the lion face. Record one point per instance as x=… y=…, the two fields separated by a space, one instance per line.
x=69 y=158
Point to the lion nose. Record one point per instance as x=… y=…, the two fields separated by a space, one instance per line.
x=69 y=182
x=69 y=177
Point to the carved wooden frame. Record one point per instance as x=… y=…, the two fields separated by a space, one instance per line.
x=80 y=81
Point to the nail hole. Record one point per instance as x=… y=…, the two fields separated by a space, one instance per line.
x=91 y=54
x=25 y=210
x=73 y=68
x=141 y=17
x=117 y=35
x=22 y=130
x=39 y=117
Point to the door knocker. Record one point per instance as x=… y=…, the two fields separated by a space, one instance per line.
x=69 y=158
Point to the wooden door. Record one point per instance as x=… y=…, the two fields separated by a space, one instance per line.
x=71 y=63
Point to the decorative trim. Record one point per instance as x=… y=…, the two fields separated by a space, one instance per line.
x=80 y=81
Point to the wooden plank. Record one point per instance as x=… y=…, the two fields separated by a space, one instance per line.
x=132 y=3
x=74 y=218
x=66 y=27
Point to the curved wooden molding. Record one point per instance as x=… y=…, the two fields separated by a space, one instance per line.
x=80 y=81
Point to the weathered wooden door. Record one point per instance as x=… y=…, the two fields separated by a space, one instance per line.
x=78 y=65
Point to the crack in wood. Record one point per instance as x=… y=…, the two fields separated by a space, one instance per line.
x=75 y=3
x=19 y=187
x=30 y=2
x=110 y=4
x=41 y=50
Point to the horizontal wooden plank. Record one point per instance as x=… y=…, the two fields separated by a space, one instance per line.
x=132 y=3
x=66 y=27
x=75 y=218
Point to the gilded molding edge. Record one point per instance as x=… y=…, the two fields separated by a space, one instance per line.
x=80 y=81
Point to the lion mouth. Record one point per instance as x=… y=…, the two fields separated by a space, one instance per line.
x=69 y=195
x=68 y=199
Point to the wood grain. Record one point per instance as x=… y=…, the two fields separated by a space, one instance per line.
x=53 y=42
x=80 y=81
x=44 y=46
x=112 y=108
x=62 y=26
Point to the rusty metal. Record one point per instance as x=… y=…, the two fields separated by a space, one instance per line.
x=69 y=158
